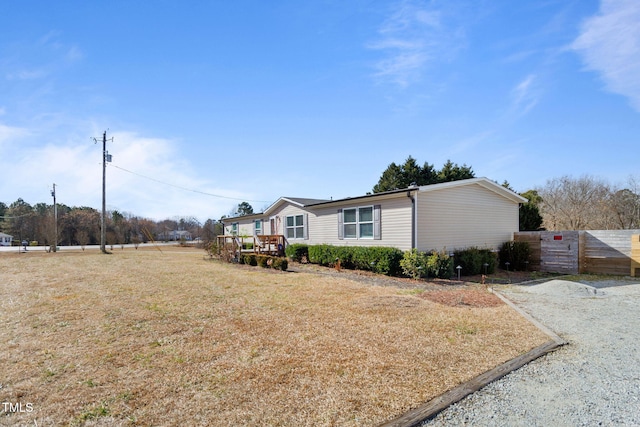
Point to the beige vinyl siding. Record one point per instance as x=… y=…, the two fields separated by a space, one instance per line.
x=281 y=215
x=245 y=227
x=464 y=216
x=395 y=222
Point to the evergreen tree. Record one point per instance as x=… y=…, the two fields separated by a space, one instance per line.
x=530 y=217
x=452 y=172
x=390 y=179
x=243 y=208
x=410 y=173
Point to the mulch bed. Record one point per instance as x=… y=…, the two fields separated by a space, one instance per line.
x=463 y=297
x=470 y=291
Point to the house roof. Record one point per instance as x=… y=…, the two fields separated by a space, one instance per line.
x=366 y=196
x=299 y=201
x=483 y=182
x=306 y=202
x=5 y=235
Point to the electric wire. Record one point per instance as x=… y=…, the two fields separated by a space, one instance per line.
x=185 y=188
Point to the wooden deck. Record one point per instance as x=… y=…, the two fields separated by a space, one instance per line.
x=266 y=244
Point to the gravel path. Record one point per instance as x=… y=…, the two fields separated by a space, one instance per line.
x=594 y=380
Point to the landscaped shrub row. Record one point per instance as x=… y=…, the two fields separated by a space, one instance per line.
x=516 y=254
x=382 y=260
x=413 y=263
x=417 y=264
x=297 y=252
x=264 y=261
x=475 y=261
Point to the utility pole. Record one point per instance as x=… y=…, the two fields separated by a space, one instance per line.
x=55 y=219
x=106 y=157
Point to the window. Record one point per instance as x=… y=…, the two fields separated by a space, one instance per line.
x=257 y=227
x=234 y=228
x=350 y=223
x=359 y=223
x=365 y=222
x=294 y=227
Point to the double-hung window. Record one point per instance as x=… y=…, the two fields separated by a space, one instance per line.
x=294 y=227
x=358 y=223
x=257 y=227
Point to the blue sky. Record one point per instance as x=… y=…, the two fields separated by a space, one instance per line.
x=253 y=100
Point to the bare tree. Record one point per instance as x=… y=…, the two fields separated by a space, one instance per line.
x=82 y=236
x=575 y=203
x=589 y=203
x=624 y=206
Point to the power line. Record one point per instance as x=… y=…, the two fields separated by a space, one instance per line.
x=187 y=189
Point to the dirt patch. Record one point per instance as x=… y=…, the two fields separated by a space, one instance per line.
x=478 y=298
x=388 y=301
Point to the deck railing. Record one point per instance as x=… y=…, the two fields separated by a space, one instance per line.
x=268 y=244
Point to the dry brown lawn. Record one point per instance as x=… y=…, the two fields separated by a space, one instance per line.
x=150 y=338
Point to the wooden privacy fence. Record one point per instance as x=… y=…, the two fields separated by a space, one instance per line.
x=614 y=252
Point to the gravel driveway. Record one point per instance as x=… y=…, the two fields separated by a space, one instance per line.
x=594 y=380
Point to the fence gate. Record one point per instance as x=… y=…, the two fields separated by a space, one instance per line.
x=559 y=251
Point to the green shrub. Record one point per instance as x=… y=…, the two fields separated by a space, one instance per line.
x=381 y=260
x=297 y=251
x=516 y=254
x=263 y=261
x=473 y=260
x=322 y=254
x=280 y=263
x=417 y=264
x=439 y=264
x=384 y=260
x=414 y=264
x=356 y=258
x=252 y=259
x=212 y=249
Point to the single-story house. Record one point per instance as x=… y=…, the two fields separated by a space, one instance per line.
x=175 y=235
x=5 y=239
x=452 y=215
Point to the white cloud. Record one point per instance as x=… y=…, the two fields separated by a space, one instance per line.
x=148 y=177
x=10 y=132
x=609 y=44
x=525 y=95
x=412 y=38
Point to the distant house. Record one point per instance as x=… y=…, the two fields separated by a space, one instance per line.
x=452 y=215
x=175 y=235
x=5 y=239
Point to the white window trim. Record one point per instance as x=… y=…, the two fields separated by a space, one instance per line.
x=358 y=223
x=295 y=227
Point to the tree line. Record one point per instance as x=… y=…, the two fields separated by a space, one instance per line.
x=588 y=203
x=81 y=225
